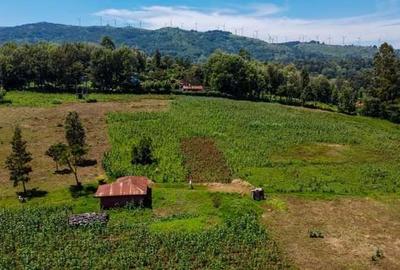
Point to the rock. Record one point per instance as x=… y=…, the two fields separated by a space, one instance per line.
x=258 y=194
x=88 y=219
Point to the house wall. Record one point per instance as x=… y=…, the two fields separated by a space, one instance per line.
x=122 y=201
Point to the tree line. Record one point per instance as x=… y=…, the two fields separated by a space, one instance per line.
x=73 y=66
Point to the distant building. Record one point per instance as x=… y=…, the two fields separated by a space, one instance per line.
x=193 y=88
x=188 y=87
x=130 y=190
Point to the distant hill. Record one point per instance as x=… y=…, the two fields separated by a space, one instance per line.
x=176 y=42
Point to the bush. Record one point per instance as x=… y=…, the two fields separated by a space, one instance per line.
x=391 y=112
x=372 y=107
x=316 y=234
x=142 y=154
x=91 y=100
x=2 y=94
x=378 y=255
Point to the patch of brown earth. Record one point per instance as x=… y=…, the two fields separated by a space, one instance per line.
x=353 y=230
x=43 y=127
x=204 y=161
x=236 y=186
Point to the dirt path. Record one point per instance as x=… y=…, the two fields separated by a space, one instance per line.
x=353 y=230
x=42 y=127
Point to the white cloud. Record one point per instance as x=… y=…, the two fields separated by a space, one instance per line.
x=267 y=22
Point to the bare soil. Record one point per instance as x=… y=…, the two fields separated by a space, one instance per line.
x=353 y=229
x=43 y=127
x=204 y=161
x=236 y=186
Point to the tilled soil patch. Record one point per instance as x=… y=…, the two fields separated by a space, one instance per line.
x=204 y=161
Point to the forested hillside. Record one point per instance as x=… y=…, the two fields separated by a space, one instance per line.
x=181 y=43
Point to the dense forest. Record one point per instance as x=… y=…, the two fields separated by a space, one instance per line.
x=373 y=88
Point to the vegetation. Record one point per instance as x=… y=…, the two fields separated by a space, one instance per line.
x=18 y=161
x=57 y=152
x=142 y=154
x=2 y=94
x=106 y=68
x=192 y=44
x=282 y=149
x=193 y=236
x=77 y=148
x=70 y=155
x=381 y=99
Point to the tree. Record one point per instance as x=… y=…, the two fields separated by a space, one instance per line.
x=321 y=89
x=245 y=54
x=76 y=138
x=68 y=158
x=18 y=161
x=142 y=153
x=157 y=59
x=74 y=131
x=69 y=63
x=347 y=99
x=228 y=74
x=107 y=43
x=57 y=153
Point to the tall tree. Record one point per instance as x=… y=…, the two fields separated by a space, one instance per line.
x=107 y=43
x=386 y=69
x=76 y=138
x=157 y=59
x=347 y=99
x=18 y=161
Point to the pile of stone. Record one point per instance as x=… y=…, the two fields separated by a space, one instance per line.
x=88 y=219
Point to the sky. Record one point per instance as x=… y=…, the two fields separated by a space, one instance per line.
x=359 y=22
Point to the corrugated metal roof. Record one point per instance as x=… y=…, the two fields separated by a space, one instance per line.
x=125 y=186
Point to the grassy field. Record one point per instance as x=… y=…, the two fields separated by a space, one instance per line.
x=33 y=99
x=283 y=149
x=320 y=171
x=206 y=236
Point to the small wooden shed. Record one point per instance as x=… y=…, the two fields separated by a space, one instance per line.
x=129 y=190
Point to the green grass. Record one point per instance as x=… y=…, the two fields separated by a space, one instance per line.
x=284 y=149
x=34 y=99
x=39 y=238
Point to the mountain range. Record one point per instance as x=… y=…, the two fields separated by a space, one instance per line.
x=182 y=43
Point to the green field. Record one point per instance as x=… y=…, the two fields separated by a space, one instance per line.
x=310 y=154
x=32 y=99
x=283 y=149
x=186 y=229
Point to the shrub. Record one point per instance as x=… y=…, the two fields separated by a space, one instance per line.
x=142 y=153
x=91 y=100
x=372 y=107
x=316 y=234
x=216 y=200
x=378 y=255
x=391 y=112
x=2 y=94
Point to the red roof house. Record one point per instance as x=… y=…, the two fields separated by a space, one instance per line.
x=193 y=88
x=130 y=190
